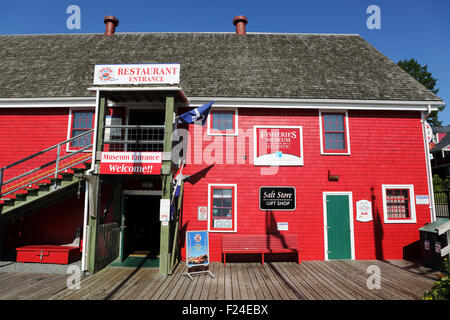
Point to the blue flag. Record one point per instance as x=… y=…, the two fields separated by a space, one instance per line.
x=198 y=114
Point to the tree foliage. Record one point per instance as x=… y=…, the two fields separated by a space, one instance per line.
x=421 y=74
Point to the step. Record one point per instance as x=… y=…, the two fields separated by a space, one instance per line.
x=21 y=192
x=8 y=197
x=34 y=186
x=44 y=182
x=69 y=171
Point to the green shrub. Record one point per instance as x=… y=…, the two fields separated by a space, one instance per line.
x=441 y=288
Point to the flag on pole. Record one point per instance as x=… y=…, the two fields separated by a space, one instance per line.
x=177 y=181
x=198 y=114
x=178 y=178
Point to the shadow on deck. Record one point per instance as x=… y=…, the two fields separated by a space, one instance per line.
x=312 y=280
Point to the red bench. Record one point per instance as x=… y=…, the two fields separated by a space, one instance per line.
x=259 y=243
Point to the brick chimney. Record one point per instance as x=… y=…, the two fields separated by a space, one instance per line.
x=111 y=23
x=240 y=22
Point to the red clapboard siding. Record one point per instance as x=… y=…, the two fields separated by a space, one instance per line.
x=386 y=148
x=27 y=131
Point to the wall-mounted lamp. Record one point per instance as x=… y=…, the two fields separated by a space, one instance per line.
x=332 y=177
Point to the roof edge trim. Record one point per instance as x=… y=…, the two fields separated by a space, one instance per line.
x=64 y=102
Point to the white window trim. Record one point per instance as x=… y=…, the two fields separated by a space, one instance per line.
x=210 y=206
x=322 y=152
x=225 y=133
x=325 y=230
x=410 y=187
x=69 y=127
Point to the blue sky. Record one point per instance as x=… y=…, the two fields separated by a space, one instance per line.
x=409 y=28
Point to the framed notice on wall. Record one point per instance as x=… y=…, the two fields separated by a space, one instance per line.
x=278 y=146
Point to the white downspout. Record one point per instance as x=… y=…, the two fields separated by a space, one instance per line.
x=428 y=165
x=86 y=192
x=85 y=227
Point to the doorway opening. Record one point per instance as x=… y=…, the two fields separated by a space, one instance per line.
x=140 y=232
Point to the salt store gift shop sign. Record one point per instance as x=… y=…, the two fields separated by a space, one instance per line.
x=277 y=198
x=131 y=163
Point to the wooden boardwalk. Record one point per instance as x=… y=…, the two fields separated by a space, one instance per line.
x=312 y=280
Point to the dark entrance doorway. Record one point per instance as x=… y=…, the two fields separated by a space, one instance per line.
x=146 y=131
x=141 y=232
x=146 y=117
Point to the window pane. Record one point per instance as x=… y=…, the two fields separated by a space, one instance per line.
x=227 y=193
x=83 y=141
x=334 y=141
x=222 y=207
x=227 y=203
x=397 y=203
x=222 y=121
x=333 y=122
x=82 y=122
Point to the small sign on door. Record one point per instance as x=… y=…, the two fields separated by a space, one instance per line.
x=164 y=210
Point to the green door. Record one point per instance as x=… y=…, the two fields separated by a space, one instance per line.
x=338 y=227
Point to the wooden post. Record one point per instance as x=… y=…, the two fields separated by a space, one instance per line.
x=95 y=188
x=164 y=258
x=175 y=246
x=2 y=237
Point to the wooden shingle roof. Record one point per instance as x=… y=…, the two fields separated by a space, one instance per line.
x=300 y=66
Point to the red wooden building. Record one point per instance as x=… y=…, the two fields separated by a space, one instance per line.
x=316 y=135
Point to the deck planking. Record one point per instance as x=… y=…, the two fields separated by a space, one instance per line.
x=311 y=280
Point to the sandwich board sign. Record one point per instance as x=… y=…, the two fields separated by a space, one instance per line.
x=197 y=252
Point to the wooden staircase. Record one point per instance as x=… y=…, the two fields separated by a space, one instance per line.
x=43 y=193
x=43 y=178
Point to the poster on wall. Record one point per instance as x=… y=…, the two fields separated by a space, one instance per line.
x=131 y=163
x=426 y=245
x=278 y=146
x=364 y=211
x=197 y=249
x=277 y=198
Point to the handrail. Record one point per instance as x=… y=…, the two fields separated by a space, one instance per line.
x=53 y=172
x=45 y=150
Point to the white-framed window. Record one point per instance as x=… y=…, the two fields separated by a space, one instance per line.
x=222 y=207
x=80 y=121
x=398 y=203
x=223 y=122
x=334 y=132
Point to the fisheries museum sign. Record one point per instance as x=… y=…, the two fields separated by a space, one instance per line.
x=151 y=73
